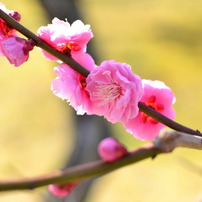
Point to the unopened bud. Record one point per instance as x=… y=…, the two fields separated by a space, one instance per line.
x=110 y=149
x=16 y=49
x=63 y=189
x=15 y=15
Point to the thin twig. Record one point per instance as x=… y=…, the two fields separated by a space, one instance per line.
x=166 y=121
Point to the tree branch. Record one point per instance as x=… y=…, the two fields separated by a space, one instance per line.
x=76 y=66
x=166 y=142
x=67 y=59
x=166 y=121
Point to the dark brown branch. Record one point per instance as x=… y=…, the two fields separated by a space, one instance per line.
x=42 y=44
x=80 y=172
x=72 y=63
x=166 y=142
x=163 y=144
x=166 y=121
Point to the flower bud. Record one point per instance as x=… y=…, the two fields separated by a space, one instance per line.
x=16 y=49
x=110 y=149
x=63 y=189
x=15 y=15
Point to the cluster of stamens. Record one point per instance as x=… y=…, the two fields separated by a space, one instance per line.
x=108 y=92
x=71 y=45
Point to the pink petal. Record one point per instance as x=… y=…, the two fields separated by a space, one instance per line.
x=109 y=87
x=144 y=127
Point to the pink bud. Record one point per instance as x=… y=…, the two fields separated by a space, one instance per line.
x=63 y=189
x=5 y=29
x=15 y=15
x=110 y=149
x=16 y=50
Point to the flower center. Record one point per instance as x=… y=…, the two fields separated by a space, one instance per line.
x=83 y=84
x=108 y=92
x=71 y=45
x=151 y=102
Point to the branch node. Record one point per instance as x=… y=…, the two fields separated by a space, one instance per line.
x=166 y=141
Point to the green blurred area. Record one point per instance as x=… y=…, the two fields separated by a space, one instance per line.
x=161 y=40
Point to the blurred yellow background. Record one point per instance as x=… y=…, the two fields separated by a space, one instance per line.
x=161 y=40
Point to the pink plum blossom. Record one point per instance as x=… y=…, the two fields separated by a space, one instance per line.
x=71 y=85
x=5 y=29
x=114 y=91
x=159 y=97
x=63 y=189
x=16 y=49
x=64 y=37
x=111 y=149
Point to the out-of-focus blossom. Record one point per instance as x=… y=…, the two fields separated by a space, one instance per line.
x=114 y=91
x=111 y=149
x=64 y=37
x=16 y=49
x=63 y=189
x=71 y=85
x=159 y=97
x=5 y=29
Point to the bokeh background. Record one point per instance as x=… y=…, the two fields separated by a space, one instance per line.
x=161 y=40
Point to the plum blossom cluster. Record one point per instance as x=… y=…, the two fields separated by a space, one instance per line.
x=13 y=47
x=111 y=89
